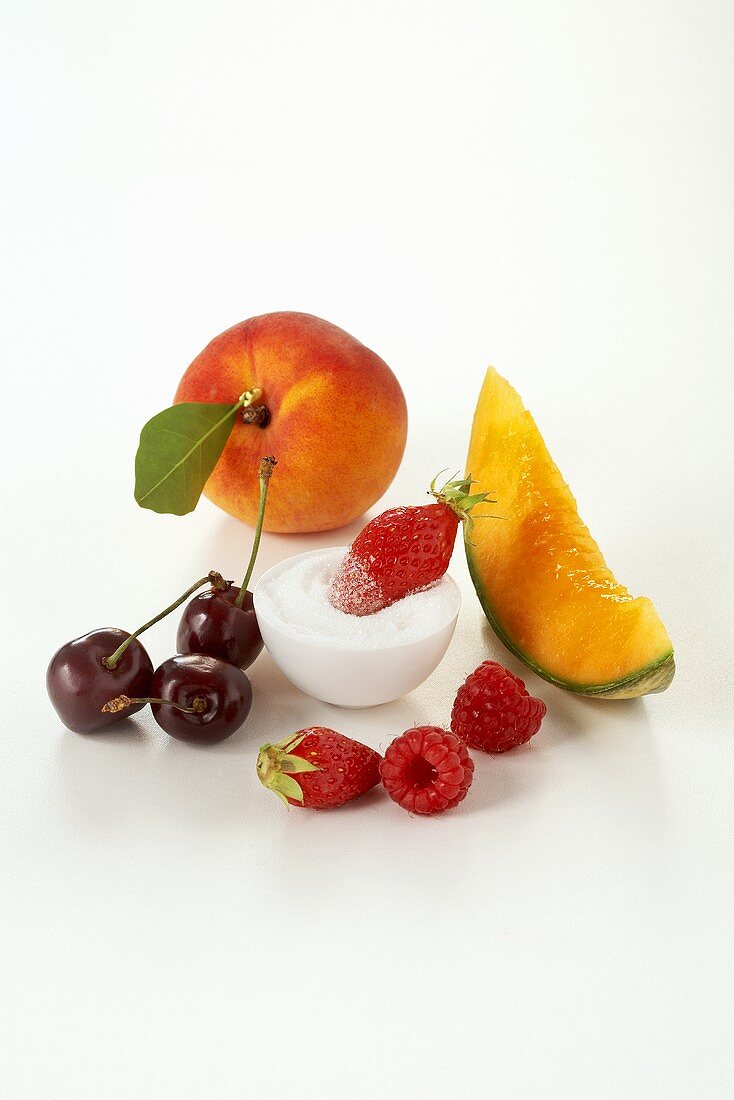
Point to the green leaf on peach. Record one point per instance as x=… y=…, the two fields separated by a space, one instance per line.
x=178 y=450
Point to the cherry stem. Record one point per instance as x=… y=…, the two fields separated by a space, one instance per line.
x=217 y=582
x=122 y=702
x=264 y=473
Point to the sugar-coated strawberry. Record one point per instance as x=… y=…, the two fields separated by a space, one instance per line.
x=403 y=550
x=493 y=710
x=318 y=768
x=427 y=770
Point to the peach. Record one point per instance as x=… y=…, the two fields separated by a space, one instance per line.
x=336 y=420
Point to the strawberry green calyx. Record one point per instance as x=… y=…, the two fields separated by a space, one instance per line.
x=276 y=766
x=458 y=497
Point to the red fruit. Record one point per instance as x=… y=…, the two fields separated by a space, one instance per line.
x=401 y=551
x=493 y=710
x=427 y=770
x=79 y=683
x=332 y=769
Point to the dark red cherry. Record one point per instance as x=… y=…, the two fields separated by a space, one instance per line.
x=79 y=684
x=212 y=624
x=215 y=696
x=222 y=623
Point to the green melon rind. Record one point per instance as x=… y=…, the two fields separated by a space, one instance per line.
x=648 y=680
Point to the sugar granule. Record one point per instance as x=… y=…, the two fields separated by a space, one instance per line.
x=297 y=598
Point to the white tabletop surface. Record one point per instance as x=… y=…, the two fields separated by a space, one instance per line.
x=546 y=187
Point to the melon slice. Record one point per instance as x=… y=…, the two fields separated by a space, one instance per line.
x=541 y=578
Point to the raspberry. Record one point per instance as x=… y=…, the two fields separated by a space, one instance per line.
x=493 y=711
x=427 y=770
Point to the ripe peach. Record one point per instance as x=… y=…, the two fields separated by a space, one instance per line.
x=337 y=420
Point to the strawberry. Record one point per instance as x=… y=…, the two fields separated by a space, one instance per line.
x=332 y=769
x=402 y=550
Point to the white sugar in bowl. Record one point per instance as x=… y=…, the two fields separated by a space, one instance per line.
x=349 y=660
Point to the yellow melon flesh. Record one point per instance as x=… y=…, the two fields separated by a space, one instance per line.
x=541 y=578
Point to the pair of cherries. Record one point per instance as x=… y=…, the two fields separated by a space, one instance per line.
x=201 y=695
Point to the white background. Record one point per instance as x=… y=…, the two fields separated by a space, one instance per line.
x=544 y=186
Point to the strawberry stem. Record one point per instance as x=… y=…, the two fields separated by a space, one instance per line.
x=276 y=766
x=457 y=496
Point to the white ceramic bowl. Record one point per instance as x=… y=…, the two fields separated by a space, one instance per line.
x=347 y=677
